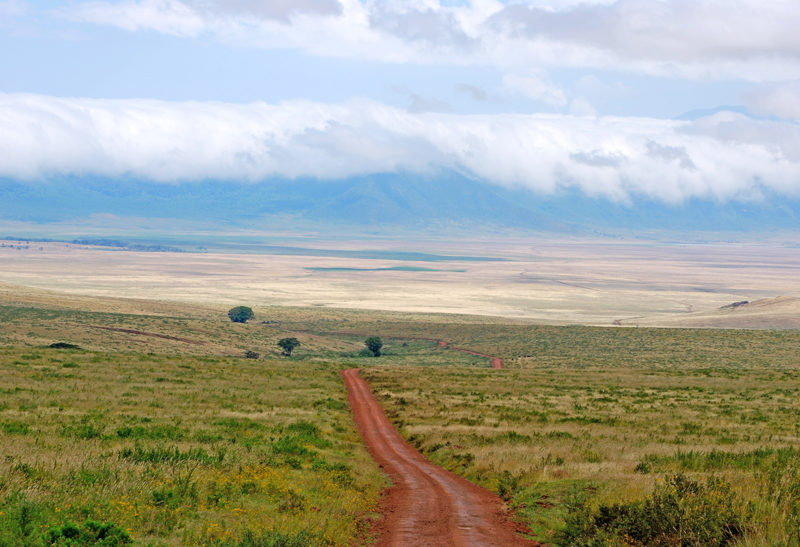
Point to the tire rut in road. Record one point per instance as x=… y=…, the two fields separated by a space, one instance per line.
x=427 y=505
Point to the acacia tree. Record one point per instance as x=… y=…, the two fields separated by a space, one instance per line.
x=288 y=345
x=374 y=344
x=240 y=314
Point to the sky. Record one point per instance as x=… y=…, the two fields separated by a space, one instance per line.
x=666 y=99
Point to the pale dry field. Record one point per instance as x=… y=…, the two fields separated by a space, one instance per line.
x=589 y=282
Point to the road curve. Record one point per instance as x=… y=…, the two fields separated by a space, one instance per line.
x=496 y=361
x=427 y=505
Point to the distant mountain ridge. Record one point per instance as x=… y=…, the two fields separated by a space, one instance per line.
x=382 y=202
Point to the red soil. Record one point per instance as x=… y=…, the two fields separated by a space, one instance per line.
x=496 y=361
x=427 y=505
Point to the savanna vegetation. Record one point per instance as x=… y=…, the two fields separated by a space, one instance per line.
x=144 y=423
x=167 y=451
x=630 y=450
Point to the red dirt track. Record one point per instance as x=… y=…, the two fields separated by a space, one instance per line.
x=496 y=361
x=427 y=505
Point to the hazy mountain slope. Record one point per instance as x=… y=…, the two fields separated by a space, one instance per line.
x=382 y=202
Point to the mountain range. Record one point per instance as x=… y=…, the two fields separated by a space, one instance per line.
x=384 y=203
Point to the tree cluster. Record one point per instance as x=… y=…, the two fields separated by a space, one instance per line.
x=240 y=314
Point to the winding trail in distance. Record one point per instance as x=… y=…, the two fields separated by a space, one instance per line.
x=427 y=505
x=496 y=361
x=143 y=333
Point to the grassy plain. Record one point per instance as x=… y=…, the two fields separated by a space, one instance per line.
x=159 y=426
x=608 y=414
x=180 y=450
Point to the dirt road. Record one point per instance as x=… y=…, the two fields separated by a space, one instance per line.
x=496 y=361
x=152 y=334
x=427 y=505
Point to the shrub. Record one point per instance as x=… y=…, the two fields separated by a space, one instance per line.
x=288 y=345
x=63 y=345
x=15 y=428
x=330 y=403
x=643 y=467
x=21 y=520
x=507 y=485
x=290 y=445
x=89 y=533
x=374 y=345
x=680 y=511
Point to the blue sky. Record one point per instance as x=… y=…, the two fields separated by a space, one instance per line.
x=544 y=94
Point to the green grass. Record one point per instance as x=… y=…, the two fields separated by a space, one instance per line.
x=533 y=435
x=180 y=450
x=179 y=443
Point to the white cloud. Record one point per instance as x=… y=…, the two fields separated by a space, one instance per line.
x=721 y=157
x=274 y=9
x=701 y=39
x=781 y=100
x=164 y=16
x=672 y=30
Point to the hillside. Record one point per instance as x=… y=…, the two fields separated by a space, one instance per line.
x=382 y=203
x=782 y=312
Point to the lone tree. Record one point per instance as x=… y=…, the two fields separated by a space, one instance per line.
x=288 y=345
x=374 y=344
x=240 y=314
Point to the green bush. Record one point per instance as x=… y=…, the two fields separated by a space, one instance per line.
x=290 y=445
x=89 y=533
x=240 y=314
x=679 y=512
x=288 y=345
x=374 y=345
x=15 y=428
x=20 y=520
x=63 y=345
x=507 y=485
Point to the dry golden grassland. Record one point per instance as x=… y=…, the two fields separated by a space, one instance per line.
x=180 y=450
x=561 y=281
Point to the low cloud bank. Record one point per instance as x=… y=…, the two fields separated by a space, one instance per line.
x=721 y=157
